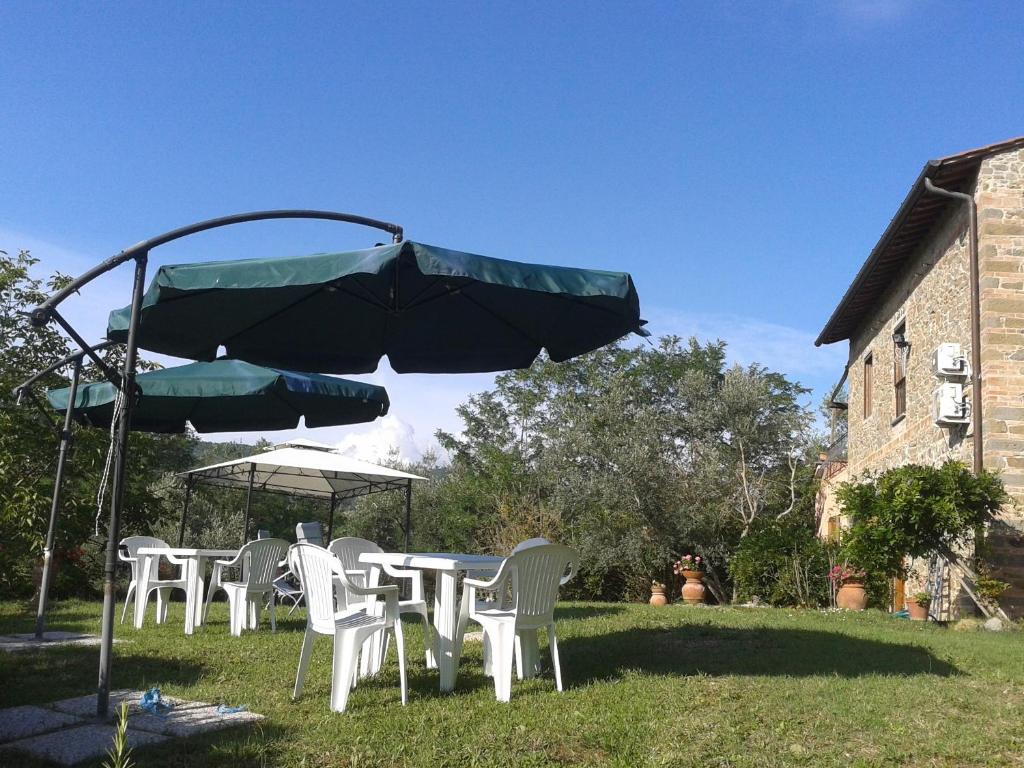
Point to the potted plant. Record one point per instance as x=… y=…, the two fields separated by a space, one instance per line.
x=691 y=568
x=917 y=606
x=658 y=594
x=849 y=583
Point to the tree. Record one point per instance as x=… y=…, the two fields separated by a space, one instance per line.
x=28 y=450
x=633 y=455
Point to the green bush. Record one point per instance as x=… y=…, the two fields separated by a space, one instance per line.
x=914 y=511
x=782 y=562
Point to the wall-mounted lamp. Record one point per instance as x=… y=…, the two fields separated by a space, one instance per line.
x=900 y=340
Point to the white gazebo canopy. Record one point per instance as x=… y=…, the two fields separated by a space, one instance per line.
x=302 y=468
x=299 y=469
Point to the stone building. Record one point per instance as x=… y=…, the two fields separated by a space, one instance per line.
x=912 y=295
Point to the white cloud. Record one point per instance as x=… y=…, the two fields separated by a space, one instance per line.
x=386 y=435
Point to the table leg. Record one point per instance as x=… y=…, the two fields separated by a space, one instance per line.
x=199 y=593
x=191 y=567
x=142 y=589
x=446 y=622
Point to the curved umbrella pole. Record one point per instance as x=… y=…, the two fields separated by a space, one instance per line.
x=48 y=311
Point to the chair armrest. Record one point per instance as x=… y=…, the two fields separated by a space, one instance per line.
x=383 y=591
x=494 y=584
x=173 y=559
x=234 y=563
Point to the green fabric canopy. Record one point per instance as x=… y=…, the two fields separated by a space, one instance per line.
x=429 y=309
x=230 y=396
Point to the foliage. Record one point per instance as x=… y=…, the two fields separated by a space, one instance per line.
x=783 y=562
x=688 y=563
x=630 y=454
x=120 y=754
x=841 y=574
x=990 y=588
x=913 y=511
x=921 y=598
x=28 y=452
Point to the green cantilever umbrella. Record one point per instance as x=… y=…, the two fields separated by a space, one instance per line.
x=230 y=396
x=429 y=309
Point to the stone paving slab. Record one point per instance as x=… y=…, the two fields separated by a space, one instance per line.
x=85 y=706
x=188 y=718
x=82 y=742
x=28 y=642
x=22 y=722
x=67 y=732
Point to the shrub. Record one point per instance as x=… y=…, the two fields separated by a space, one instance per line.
x=783 y=562
x=914 y=511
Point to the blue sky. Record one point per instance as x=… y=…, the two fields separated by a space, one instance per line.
x=739 y=159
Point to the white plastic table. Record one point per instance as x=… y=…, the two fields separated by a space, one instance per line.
x=195 y=568
x=446 y=597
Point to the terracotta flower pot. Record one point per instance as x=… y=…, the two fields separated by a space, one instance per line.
x=658 y=596
x=693 y=589
x=852 y=596
x=918 y=611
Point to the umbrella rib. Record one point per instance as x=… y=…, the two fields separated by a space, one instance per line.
x=294 y=304
x=504 y=320
x=412 y=302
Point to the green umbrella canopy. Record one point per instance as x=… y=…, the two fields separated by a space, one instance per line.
x=230 y=396
x=429 y=309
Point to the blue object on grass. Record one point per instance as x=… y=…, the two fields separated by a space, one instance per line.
x=154 y=704
x=904 y=614
x=223 y=709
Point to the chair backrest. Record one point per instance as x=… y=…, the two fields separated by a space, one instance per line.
x=348 y=549
x=529 y=543
x=261 y=558
x=315 y=567
x=537 y=573
x=310 y=533
x=132 y=545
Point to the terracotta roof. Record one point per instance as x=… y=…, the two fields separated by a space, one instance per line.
x=913 y=221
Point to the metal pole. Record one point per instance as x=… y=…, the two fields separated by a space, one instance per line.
x=184 y=510
x=248 y=505
x=58 y=484
x=408 y=513
x=972 y=249
x=330 y=518
x=117 y=493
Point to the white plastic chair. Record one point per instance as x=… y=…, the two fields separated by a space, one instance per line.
x=501 y=600
x=128 y=553
x=535 y=574
x=318 y=569
x=259 y=561
x=348 y=549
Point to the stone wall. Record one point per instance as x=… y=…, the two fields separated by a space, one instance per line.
x=1000 y=198
x=931 y=296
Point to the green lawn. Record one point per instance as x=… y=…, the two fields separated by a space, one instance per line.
x=671 y=686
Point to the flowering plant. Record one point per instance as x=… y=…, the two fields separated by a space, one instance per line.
x=657 y=585
x=843 y=573
x=688 y=563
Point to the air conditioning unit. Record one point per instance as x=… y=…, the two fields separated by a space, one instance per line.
x=949 y=361
x=949 y=405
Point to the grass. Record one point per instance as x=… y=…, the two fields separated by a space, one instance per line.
x=645 y=687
